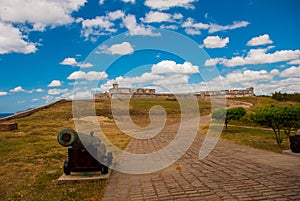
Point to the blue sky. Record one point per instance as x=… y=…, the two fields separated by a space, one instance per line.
x=48 y=46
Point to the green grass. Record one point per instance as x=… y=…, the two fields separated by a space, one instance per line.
x=31 y=159
x=254 y=137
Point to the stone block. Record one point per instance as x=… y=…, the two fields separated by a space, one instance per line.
x=8 y=126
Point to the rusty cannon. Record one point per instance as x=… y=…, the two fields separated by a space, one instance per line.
x=86 y=153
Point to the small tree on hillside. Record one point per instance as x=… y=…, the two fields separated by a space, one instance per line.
x=278 y=118
x=229 y=114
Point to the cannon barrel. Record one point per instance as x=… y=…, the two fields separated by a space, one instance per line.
x=85 y=152
x=68 y=137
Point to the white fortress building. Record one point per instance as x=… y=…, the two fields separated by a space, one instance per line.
x=118 y=92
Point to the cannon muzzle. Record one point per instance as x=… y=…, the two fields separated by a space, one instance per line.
x=67 y=137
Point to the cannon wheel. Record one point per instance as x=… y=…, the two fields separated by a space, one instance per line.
x=66 y=168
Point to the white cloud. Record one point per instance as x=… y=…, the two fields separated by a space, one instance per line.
x=291 y=72
x=55 y=83
x=173 y=27
x=98 y=22
x=135 y=29
x=40 y=13
x=72 y=62
x=212 y=62
x=119 y=49
x=118 y=14
x=171 y=67
x=166 y=74
x=129 y=1
x=48 y=98
x=155 y=16
x=17 y=89
x=57 y=91
x=81 y=95
x=101 y=2
x=258 y=56
x=215 y=27
x=11 y=40
x=192 y=27
x=191 y=23
x=167 y=4
x=215 y=42
x=3 y=93
x=193 y=31
x=35 y=100
x=91 y=75
x=275 y=72
x=177 y=16
x=297 y=61
x=260 y=40
x=97 y=26
x=39 y=90
x=69 y=61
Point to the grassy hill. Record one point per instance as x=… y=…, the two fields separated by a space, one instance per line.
x=31 y=159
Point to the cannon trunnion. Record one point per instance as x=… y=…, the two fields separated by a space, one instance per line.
x=85 y=152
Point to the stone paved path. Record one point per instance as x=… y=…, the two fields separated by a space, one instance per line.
x=230 y=172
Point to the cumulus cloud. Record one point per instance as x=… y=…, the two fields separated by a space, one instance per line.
x=37 y=12
x=215 y=27
x=17 y=89
x=32 y=16
x=155 y=16
x=119 y=49
x=129 y=1
x=257 y=56
x=100 y=25
x=91 y=75
x=291 y=72
x=212 y=62
x=55 y=83
x=215 y=42
x=12 y=40
x=72 y=62
x=260 y=40
x=165 y=74
x=167 y=4
x=136 y=29
x=194 y=28
x=297 y=61
x=171 y=67
x=57 y=91
x=118 y=14
x=172 y=27
x=3 y=93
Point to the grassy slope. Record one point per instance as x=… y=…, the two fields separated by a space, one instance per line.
x=31 y=159
x=247 y=133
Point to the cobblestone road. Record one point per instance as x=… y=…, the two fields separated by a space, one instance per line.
x=230 y=172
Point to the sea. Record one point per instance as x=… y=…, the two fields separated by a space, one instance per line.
x=5 y=114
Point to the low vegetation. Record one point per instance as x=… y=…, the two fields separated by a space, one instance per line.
x=31 y=159
x=229 y=114
x=279 y=119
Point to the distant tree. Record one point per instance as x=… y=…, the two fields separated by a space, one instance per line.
x=291 y=118
x=286 y=97
x=279 y=96
x=278 y=118
x=229 y=114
